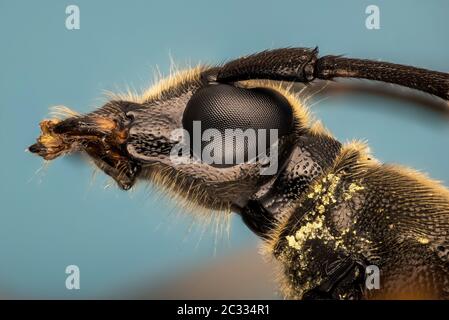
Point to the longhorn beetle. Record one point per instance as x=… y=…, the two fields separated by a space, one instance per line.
x=328 y=211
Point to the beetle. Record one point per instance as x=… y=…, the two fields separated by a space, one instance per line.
x=327 y=211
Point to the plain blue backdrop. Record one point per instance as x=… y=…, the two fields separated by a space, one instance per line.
x=58 y=216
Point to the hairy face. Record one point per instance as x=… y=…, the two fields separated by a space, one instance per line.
x=134 y=139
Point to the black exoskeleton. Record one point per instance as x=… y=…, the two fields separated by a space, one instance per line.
x=326 y=211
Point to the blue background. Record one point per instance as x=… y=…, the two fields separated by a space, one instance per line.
x=58 y=216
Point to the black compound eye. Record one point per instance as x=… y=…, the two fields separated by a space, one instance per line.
x=225 y=109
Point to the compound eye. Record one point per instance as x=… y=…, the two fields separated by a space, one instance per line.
x=232 y=125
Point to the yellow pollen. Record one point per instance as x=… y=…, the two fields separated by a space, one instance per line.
x=423 y=240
